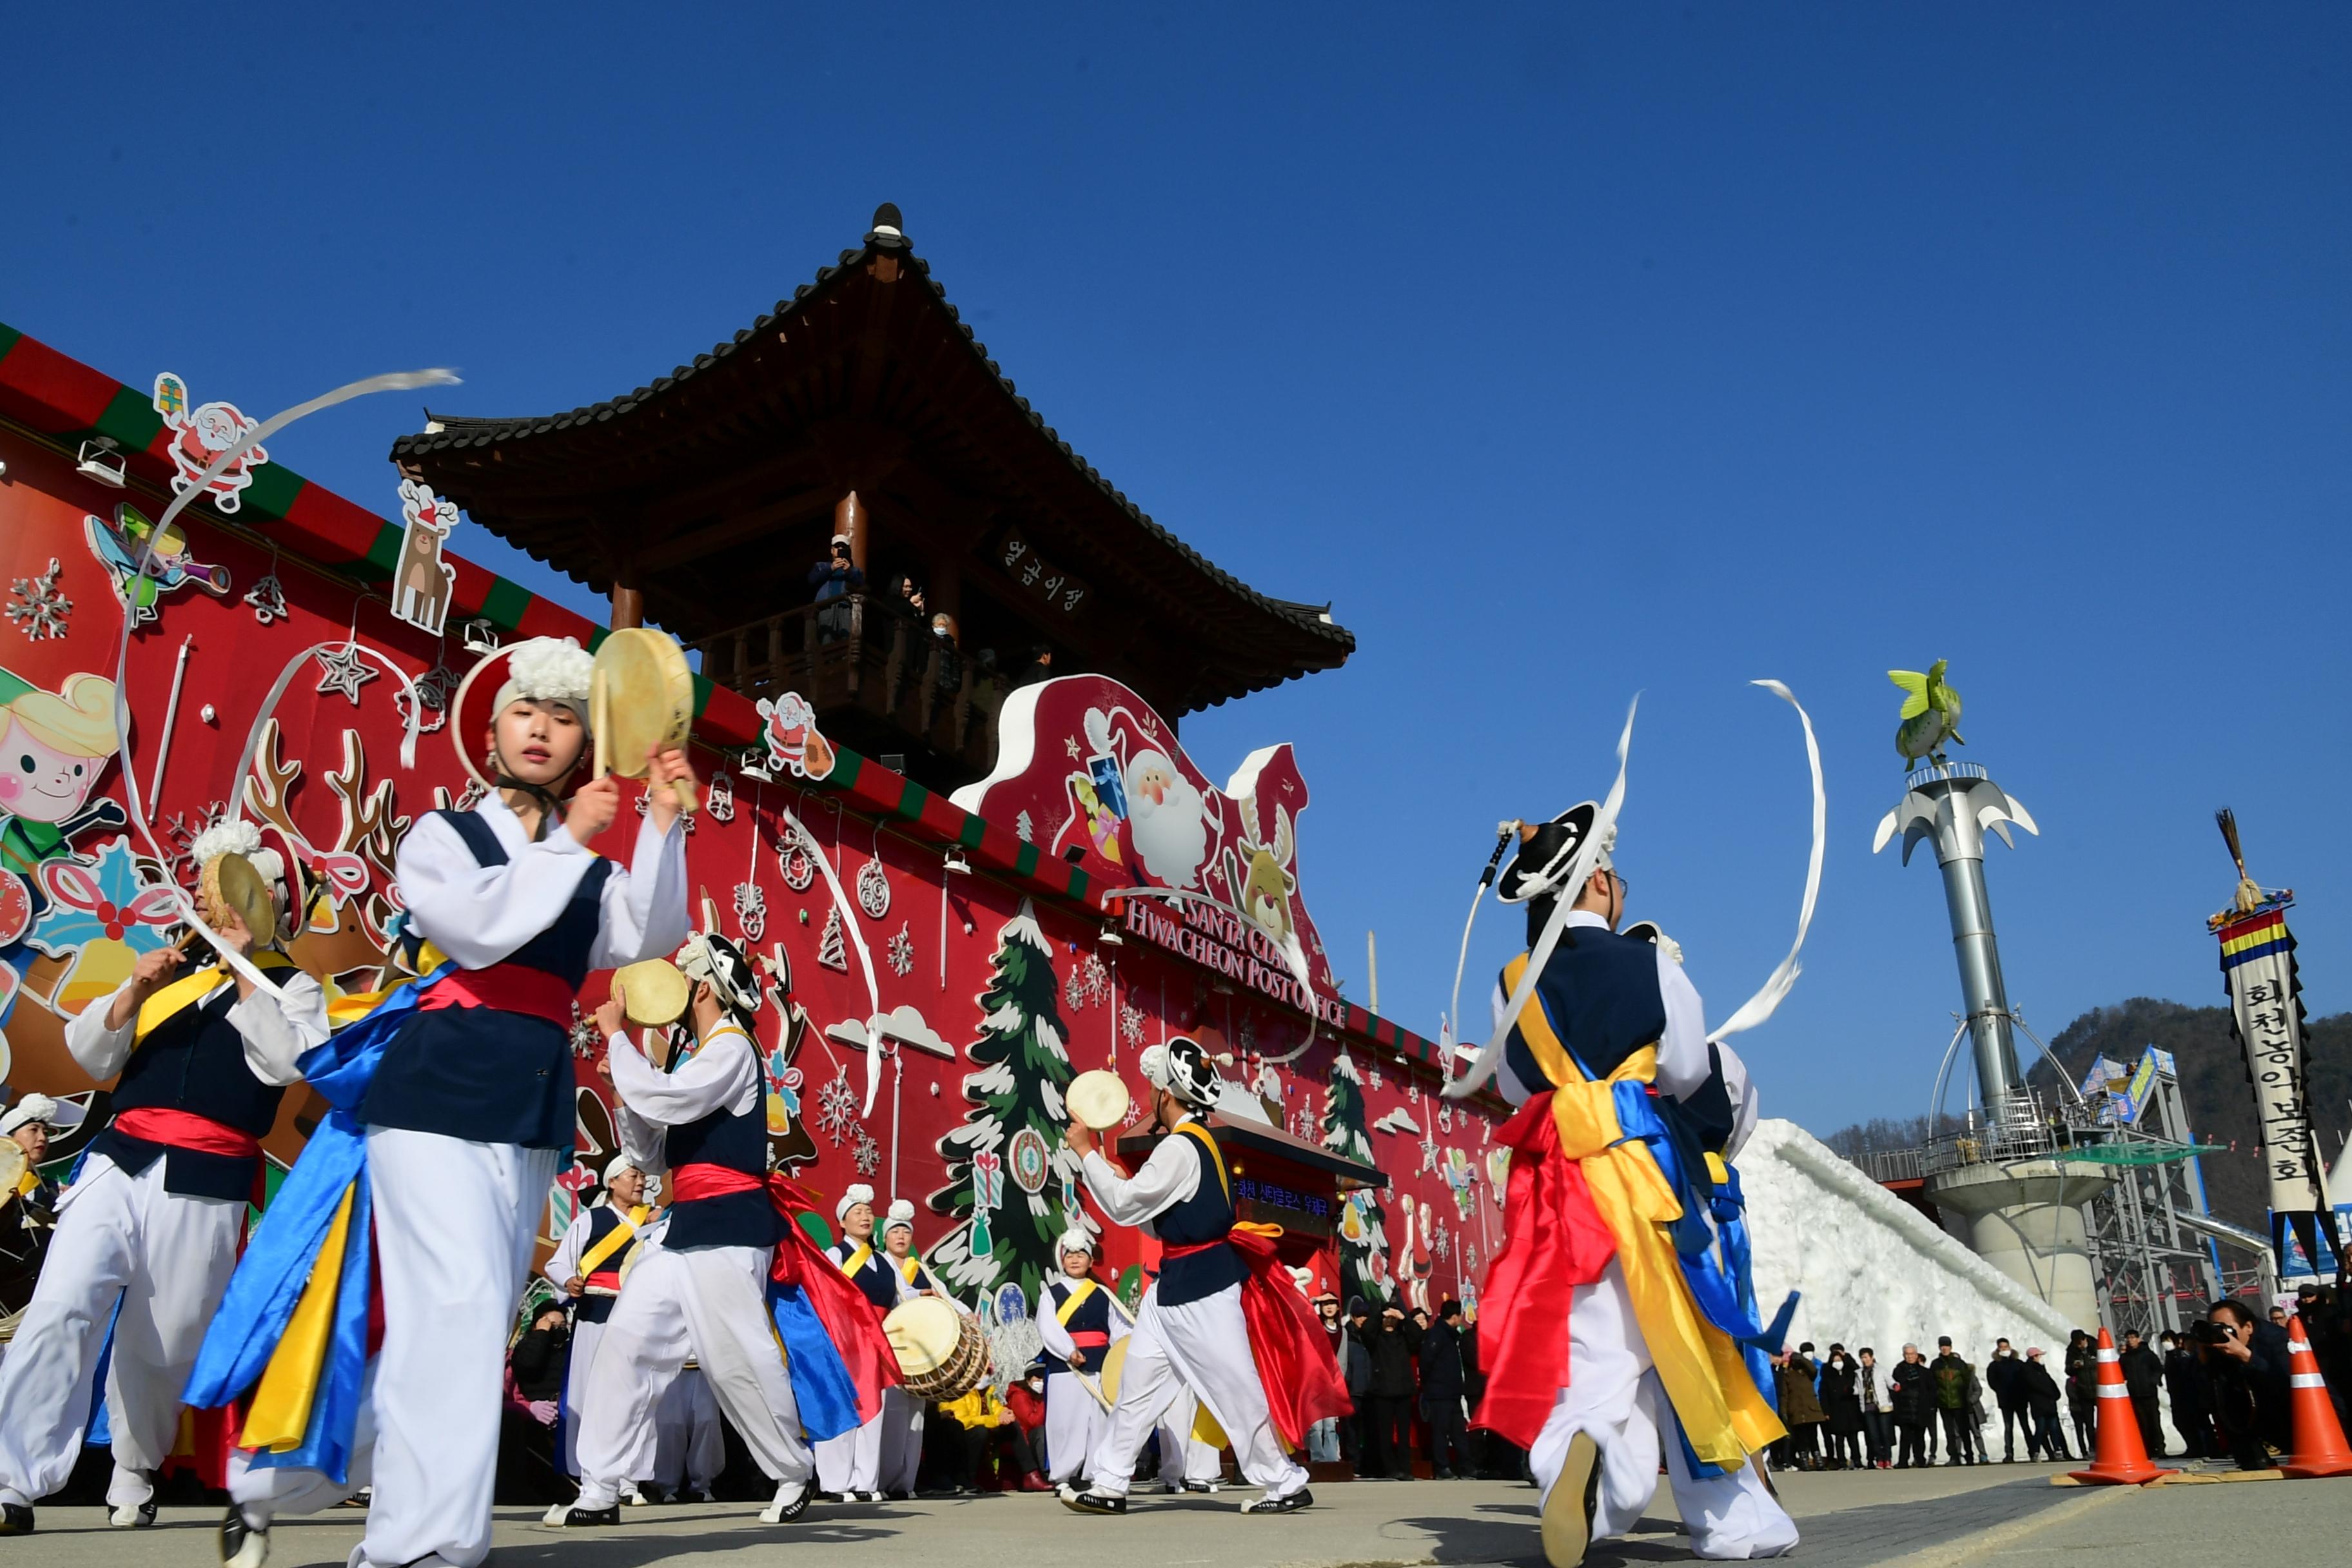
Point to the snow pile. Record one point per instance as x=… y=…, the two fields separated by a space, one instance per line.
x=1872 y=1271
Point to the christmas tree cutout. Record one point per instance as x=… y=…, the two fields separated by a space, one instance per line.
x=833 y=948
x=1024 y=1064
x=1363 y=1234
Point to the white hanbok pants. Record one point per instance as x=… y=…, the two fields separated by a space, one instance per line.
x=1182 y=1457
x=704 y=1303
x=166 y=1258
x=1615 y=1396
x=690 y=1449
x=1202 y=1347
x=901 y=1454
x=586 y=1337
x=1075 y=1423
x=454 y=1226
x=853 y=1461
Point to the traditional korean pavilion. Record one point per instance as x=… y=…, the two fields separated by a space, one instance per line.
x=864 y=407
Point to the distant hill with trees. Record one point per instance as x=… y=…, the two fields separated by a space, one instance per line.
x=2213 y=1086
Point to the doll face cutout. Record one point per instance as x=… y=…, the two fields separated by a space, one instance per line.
x=39 y=783
x=539 y=743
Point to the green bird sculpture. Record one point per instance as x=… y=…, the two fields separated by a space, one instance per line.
x=1931 y=714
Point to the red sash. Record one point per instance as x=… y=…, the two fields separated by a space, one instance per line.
x=1287 y=1340
x=692 y=1182
x=1167 y=1252
x=505 y=988
x=1553 y=1239
x=185 y=1130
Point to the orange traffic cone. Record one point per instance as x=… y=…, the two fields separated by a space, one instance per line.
x=2122 y=1459
x=2319 y=1447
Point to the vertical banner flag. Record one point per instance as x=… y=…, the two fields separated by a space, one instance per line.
x=2258 y=971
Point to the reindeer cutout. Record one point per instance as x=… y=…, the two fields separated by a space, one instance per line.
x=347 y=891
x=1262 y=877
x=790 y=1144
x=422 y=583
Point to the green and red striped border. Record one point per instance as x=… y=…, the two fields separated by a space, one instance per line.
x=68 y=402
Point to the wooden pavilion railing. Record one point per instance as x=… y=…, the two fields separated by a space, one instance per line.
x=854 y=653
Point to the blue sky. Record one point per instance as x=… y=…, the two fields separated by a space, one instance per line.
x=1570 y=351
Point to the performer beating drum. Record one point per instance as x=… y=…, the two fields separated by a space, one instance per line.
x=453 y=1102
x=849 y=1467
x=147 y=1236
x=901 y=1452
x=1079 y=1319
x=703 y=1293
x=1193 y=1332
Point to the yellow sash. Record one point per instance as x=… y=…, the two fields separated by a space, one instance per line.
x=190 y=989
x=619 y=1237
x=854 y=1264
x=27 y=1185
x=281 y=1401
x=1216 y=1158
x=1719 y=1405
x=1078 y=1294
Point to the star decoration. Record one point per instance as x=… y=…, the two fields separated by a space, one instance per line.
x=343 y=669
x=1070 y=743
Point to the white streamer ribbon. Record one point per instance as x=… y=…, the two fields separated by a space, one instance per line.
x=399 y=381
x=1579 y=872
x=849 y=926
x=1760 y=1006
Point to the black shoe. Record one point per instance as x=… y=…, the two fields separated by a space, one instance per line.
x=16 y=1519
x=1300 y=1498
x=778 y=1511
x=563 y=1517
x=1203 y=1487
x=243 y=1544
x=1077 y=1502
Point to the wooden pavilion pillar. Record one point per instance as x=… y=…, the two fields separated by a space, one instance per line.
x=850 y=518
x=628 y=606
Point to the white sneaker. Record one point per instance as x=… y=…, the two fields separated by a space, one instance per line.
x=632 y=1498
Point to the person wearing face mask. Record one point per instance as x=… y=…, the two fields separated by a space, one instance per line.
x=1079 y=1319
x=454 y=1102
x=900 y=1455
x=601 y=1241
x=849 y=1467
x=1842 y=1410
x=1194 y=1334
x=702 y=1294
x=148 y=1232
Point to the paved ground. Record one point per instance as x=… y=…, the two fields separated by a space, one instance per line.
x=2001 y=1516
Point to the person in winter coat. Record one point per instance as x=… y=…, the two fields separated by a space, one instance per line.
x=1877 y=1415
x=1841 y=1409
x=2039 y=1392
x=1800 y=1408
x=2184 y=1384
x=2000 y=1374
x=2083 y=1390
x=1393 y=1341
x=1953 y=1376
x=1355 y=1369
x=1914 y=1398
x=2143 y=1372
x=1444 y=1388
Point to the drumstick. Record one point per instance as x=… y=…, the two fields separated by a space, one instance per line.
x=600 y=719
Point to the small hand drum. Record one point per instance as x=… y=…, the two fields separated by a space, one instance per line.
x=12 y=1165
x=1114 y=1362
x=1098 y=1100
x=942 y=1354
x=653 y=993
x=641 y=696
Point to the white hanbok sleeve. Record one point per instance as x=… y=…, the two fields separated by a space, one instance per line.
x=99 y=1050
x=1049 y=1327
x=1741 y=1089
x=564 y=1261
x=722 y=1075
x=644 y=906
x=279 y=1025
x=478 y=914
x=1171 y=1175
x=1506 y=1082
x=1683 y=1064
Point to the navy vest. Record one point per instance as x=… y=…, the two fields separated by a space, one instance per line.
x=735 y=1142
x=1600 y=993
x=877 y=1279
x=1090 y=1325
x=603 y=1221
x=194 y=1061
x=485 y=1076
x=1207 y=1217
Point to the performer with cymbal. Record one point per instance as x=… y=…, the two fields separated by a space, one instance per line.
x=599 y=1243
x=453 y=1105
x=1629 y=1116
x=702 y=1292
x=155 y=1218
x=849 y=1466
x=1222 y=1292
x=1079 y=1319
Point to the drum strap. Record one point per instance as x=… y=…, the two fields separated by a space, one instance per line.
x=1077 y=1298
x=622 y=1235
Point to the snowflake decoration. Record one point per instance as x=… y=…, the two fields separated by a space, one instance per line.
x=1026 y=829
x=1131 y=1024
x=1470 y=1256
x=43 y=614
x=1074 y=991
x=873 y=890
x=867 y=1153
x=340 y=669
x=1440 y=1245
x=750 y=911
x=719 y=798
x=1098 y=977
x=267 y=598
x=836 y=1107
x=901 y=951
x=432 y=701
x=583 y=1032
